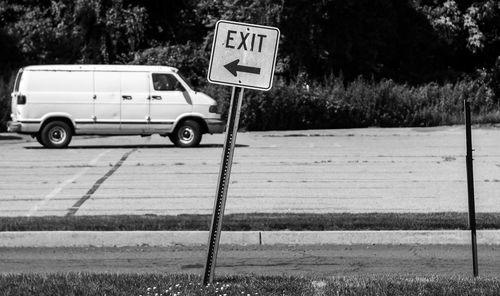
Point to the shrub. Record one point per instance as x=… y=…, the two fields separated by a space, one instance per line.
x=332 y=104
x=5 y=90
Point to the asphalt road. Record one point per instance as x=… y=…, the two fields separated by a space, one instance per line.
x=320 y=171
x=324 y=260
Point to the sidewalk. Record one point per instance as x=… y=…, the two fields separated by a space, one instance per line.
x=242 y=238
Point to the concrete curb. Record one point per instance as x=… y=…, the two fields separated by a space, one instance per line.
x=120 y=238
x=243 y=238
x=395 y=237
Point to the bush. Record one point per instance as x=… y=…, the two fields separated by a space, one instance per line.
x=5 y=90
x=332 y=104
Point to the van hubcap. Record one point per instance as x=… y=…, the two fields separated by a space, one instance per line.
x=57 y=135
x=186 y=135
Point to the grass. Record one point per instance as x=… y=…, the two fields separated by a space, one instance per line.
x=150 y=285
x=257 y=221
x=432 y=285
x=163 y=285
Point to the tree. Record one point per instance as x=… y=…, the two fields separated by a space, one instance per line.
x=372 y=38
x=172 y=21
x=262 y=12
x=474 y=26
x=87 y=31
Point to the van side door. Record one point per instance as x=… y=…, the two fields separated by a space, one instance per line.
x=169 y=100
x=107 y=100
x=134 y=102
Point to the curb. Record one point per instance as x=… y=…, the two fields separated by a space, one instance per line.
x=242 y=238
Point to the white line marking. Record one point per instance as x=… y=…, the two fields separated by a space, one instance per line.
x=60 y=187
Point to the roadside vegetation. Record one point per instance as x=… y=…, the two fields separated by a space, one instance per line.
x=169 y=285
x=334 y=103
x=255 y=222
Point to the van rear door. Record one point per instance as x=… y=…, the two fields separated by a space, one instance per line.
x=134 y=102
x=59 y=92
x=15 y=93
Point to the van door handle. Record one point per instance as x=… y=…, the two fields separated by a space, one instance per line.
x=127 y=97
x=156 y=97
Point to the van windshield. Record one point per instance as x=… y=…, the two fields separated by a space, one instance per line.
x=18 y=80
x=186 y=81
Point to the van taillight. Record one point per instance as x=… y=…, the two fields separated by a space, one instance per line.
x=21 y=99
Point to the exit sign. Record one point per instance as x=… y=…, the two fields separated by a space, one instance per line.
x=243 y=55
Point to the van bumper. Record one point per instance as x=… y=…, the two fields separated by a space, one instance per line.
x=13 y=126
x=23 y=127
x=215 y=126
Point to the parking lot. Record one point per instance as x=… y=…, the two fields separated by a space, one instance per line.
x=320 y=171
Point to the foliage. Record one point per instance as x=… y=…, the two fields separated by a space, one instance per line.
x=172 y=21
x=5 y=89
x=264 y=12
x=108 y=31
x=477 y=23
x=74 y=31
x=337 y=104
x=410 y=41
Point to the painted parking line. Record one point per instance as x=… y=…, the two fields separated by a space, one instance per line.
x=72 y=211
x=60 y=187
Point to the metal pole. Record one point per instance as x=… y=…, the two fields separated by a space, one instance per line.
x=470 y=186
x=223 y=183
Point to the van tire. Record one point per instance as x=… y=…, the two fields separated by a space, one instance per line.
x=56 y=134
x=186 y=134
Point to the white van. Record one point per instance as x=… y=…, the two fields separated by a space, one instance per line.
x=54 y=102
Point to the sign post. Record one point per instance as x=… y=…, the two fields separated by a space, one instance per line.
x=223 y=183
x=470 y=186
x=243 y=56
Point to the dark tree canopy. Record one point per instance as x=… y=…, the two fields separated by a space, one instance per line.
x=412 y=41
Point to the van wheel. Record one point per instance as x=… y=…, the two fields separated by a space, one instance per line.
x=56 y=134
x=186 y=134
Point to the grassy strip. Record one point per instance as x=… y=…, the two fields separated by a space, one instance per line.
x=163 y=285
x=409 y=286
x=257 y=221
x=151 y=285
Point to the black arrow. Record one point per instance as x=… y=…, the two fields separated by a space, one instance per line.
x=233 y=67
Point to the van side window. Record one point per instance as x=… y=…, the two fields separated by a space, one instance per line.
x=166 y=82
